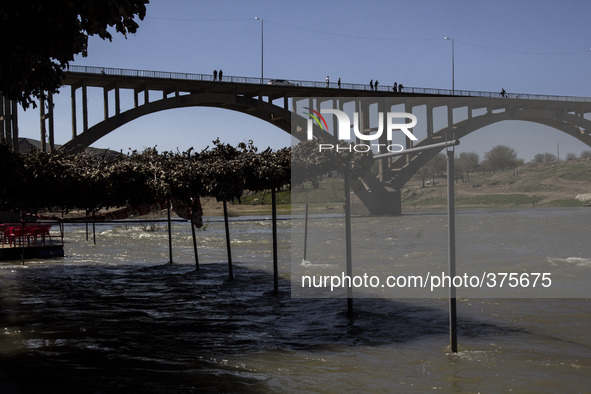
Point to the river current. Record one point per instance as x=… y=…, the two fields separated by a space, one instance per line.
x=115 y=317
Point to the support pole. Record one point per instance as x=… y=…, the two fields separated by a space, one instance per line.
x=23 y=237
x=228 y=247
x=195 y=246
x=453 y=335
x=93 y=229
x=275 y=263
x=306 y=233
x=169 y=231
x=348 y=240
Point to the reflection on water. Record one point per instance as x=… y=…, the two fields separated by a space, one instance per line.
x=113 y=317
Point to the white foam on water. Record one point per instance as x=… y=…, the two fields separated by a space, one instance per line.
x=572 y=261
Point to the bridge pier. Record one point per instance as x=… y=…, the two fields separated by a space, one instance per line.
x=45 y=128
x=9 y=122
x=377 y=203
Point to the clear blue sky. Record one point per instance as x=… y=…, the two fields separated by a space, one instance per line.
x=523 y=46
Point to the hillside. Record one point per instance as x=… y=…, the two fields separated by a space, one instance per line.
x=547 y=184
x=26 y=144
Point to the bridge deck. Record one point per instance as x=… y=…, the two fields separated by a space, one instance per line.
x=106 y=77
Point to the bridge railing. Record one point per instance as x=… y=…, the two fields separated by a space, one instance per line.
x=315 y=84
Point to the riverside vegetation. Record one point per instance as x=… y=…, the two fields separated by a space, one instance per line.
x=555 y=184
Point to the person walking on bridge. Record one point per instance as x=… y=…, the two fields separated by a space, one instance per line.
x=215 y=75
x=220 y=74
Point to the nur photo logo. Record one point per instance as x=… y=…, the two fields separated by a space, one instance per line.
x=344 y=130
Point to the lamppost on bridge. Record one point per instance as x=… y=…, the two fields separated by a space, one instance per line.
x=262 y=47
x=453 y=74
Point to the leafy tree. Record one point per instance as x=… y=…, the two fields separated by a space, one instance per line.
x=570 y=156
x=435 y=167
x=501 y=157
x=41 y=38
x=467 y=162
x=485 y=166
x=423 y=173
x=308 y=163
x=438 y=165
x=544 y=158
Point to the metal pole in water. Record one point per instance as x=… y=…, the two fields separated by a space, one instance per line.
x=22 y=239
x=453 y=334
x=169 y=231
x=228 y=247
x=195 y=245
x=93 y=229
x=306 y=233
x=275 y=268
x=348 y=241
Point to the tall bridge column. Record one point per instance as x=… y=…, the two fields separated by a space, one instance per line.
x=14 y=121
x=3 y=137
x=51 y=123
x=73 y=100
x=9 y=122
x=42 y=128
x=45 y=127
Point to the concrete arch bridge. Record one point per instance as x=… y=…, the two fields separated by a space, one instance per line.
x=443 y=115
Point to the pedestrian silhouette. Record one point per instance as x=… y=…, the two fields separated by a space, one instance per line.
x=376 y=84
x=503 y=93
x=220 y=74
x=395 y=86
x=215 y=75
x=339 y=82
x=371 y=84
x=327 y=81
x=400 y=87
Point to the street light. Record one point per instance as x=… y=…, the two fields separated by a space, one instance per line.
x=262 y=52
x=453 y=77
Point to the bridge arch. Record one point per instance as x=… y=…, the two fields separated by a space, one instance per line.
x=576 y=126
x=268 y=112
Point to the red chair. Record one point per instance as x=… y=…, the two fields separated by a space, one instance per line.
x=14 y=234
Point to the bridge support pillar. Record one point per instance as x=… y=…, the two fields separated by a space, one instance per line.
x=84 y=109
x=9 y=121
x=51 y=125
x=14 y=121
x=377 y=202
x=43 y=116
x=43 y=129
x=73 y=99
x=3 y=137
